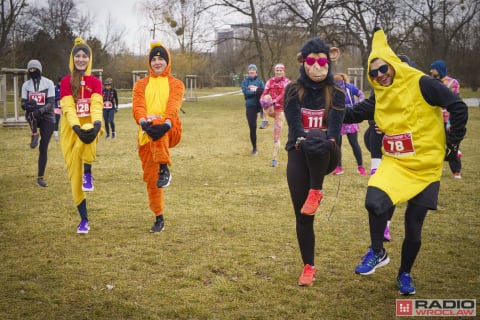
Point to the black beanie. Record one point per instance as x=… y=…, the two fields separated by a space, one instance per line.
x=159 y=51
x=315 y=45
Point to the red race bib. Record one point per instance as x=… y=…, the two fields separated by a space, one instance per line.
x=107 y=105
x=83 y=107
x=37 y=96
x=313 y=119
x=398 y=144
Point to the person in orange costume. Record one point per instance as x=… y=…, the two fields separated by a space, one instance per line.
x=157 y=99
x=82 y=106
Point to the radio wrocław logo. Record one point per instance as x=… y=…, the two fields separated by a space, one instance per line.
x=437 y=307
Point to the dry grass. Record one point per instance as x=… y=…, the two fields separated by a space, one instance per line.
x=229 y=250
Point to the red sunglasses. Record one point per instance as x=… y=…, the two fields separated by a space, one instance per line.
x=311 y=61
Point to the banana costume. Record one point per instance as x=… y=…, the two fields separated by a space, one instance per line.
x=157 y=98
x=412 y=159
x=83 y=111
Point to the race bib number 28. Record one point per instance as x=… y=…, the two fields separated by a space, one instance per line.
x=398 y=144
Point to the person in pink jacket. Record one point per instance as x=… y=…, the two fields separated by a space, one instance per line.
x=272 y=104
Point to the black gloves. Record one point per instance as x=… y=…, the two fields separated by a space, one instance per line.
x=155 y=131
x=158 y=130
x=31 y=105
x=451 y=152
x=145 y=125
x=88 y=136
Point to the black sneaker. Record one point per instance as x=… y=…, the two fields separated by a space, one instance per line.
x=164 y=178
x=41 y=182
x=34 y=141
x=158 y=226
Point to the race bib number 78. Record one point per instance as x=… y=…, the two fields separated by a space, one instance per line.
x=398 y=144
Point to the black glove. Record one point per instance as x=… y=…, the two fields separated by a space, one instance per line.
x=451 y=152
x=86 y=136
x=116 y=110
x=145 y=125
x=316 y=146
x=157 y=131
x=31 y=105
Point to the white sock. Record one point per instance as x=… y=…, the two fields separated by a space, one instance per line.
x=375 y=162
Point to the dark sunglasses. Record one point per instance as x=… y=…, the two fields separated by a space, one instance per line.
x=374 y=72
x=311 y=61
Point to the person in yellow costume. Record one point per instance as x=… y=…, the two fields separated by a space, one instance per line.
x=82 y=106
x=407 y=108
x=156 y=101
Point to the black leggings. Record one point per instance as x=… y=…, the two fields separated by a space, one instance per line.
x=251 y=113
x=414 y=216
x=357 y=151
x=46 y=131
x=373 y=142
x=300 y=180
x=109 y=117
x=57 y=121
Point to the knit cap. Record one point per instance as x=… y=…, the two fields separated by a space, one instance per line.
x=252 y=66
x=34 y=64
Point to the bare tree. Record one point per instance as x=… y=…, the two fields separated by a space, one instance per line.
x=249 y=10
x=181 y=21
x=9 y=12
x=442 y=22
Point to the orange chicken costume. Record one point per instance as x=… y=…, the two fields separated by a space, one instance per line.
x=157 y=98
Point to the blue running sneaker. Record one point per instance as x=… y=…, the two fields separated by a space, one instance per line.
x=405 y=284
x=371 y=261
x=83 y=227
x=87 y=184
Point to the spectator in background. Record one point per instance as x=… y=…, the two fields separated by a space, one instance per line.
x=272 y=104
x=352 y=95
x=110 y=107
x=252 y=88
x=38 y=98
x=438 y=70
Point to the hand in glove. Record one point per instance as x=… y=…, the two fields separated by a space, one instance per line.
x=31 y=105
x=86 y=136
x=451 y=152
x=158 y=130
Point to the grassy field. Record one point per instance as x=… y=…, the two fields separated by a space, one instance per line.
x=229 y=250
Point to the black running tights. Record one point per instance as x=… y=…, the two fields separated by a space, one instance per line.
x=251 y=114
x=414 y=217
x=46 y=131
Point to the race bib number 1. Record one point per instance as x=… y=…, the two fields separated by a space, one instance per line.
x=83 y=107
x=398 y=144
